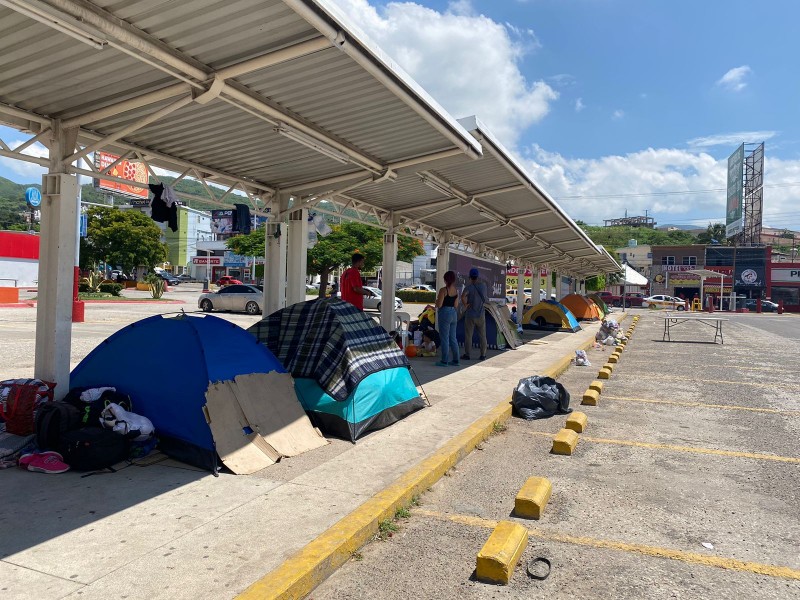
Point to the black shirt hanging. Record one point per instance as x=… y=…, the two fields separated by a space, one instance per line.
x=241 y=218
x=160 y=211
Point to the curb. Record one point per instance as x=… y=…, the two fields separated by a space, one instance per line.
x=297 y=576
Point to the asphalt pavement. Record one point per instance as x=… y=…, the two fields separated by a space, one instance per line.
x=685 y=484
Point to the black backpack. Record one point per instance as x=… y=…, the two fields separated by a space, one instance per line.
x=91 y=411
x=93 y=448
x=54 y=419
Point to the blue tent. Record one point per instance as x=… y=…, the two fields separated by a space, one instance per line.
x=380 y=399
x=165 y=365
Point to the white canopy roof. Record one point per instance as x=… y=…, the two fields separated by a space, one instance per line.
x=633 y=277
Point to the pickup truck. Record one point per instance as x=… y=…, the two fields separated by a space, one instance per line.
x=631 y=299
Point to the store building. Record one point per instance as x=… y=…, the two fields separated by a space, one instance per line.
x=748 y=269
x=19 y=259
x=785 y=285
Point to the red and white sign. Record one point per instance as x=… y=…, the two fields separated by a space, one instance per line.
x=514 y=272
x=207 y=260
x=124 y=169
x=678 y=268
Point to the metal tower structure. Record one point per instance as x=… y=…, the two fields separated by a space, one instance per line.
x=753 y=195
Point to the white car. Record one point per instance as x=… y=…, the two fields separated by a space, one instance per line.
x=237 y=298
x=376 y=301
x=418 y=288
x=664 y=301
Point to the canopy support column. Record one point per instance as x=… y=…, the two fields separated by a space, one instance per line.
x=521 y=290
x=442 y=260
x=388 y=278
x=297 y=258
x=549 y=284
x=275 y=262
x=59 y=214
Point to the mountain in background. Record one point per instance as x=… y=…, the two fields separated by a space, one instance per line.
x=13 y=206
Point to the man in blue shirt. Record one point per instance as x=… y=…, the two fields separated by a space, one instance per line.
x=474 y=297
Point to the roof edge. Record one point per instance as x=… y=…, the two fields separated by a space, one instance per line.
x=331 y=21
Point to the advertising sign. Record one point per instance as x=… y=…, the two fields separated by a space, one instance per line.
x=492 y=273
x=222 y=222
x=753 y=275
x=215 y=261
x=512 y=275
x=734 y=221
x=33 y=196
x=786 y=275
x=125 y=169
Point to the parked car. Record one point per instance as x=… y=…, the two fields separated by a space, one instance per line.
x=664 y=301
x=227 y=280
x=234 y=297
x=169 y=279
x=631 y=299
x=418 y=288
x=185 y=277
x=375 y=302
x=766 y=305
x=511 y=296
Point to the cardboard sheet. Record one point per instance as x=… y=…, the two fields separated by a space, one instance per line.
x=237 y=449
x=267 y=405
x=270 y=404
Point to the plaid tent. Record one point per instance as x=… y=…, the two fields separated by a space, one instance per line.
x=330 y=341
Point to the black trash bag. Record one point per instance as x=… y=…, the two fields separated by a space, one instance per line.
x=539 y=398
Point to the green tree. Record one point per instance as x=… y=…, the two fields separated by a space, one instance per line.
x=335 y=250
x=125 y=238
x=597 y=283
x=251 y=244
x=715 y=233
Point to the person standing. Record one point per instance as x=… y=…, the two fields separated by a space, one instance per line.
x=474 y=297
x=447 y=301
x=351 y=286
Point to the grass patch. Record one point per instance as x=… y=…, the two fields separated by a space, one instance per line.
x=498 y=428
x=387 y=528
x=402 y=513
x=414 y=501
x=357 y=556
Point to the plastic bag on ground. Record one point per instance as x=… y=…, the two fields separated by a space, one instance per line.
x=539 y=398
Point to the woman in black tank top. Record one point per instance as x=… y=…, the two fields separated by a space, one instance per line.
x=447 y=301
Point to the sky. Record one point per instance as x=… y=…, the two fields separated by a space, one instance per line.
x=611 y=105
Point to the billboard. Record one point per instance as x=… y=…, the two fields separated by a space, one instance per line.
x=734 y=216
x=222 y=222
x=125 y=169
x=492 y=273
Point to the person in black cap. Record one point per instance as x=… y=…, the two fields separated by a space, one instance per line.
x=474 y=297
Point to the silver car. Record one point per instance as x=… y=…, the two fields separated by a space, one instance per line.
x=238 y=298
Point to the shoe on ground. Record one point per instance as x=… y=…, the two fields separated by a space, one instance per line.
x=465 y=357
x=48 y=463
x=454 y=363
x=482 y=357
x=26 y=459
x=441 y=364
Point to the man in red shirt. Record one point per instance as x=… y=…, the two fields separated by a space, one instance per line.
x=350 y=287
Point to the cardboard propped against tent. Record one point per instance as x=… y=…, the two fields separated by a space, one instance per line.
x=242 y=453
x=502 y=316
x=270 y=404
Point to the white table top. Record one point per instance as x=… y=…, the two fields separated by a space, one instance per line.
x=691 y=317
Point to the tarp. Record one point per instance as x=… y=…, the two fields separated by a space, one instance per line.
x=583 y=308
x=330 y=341
x=550 y=313
x=166 y=365
x=633 y=277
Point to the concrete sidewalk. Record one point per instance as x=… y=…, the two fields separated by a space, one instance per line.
x=168 y=531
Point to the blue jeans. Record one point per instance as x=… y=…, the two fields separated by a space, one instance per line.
x=447 y=318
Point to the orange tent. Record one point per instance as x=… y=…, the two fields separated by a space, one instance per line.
x=582 y=308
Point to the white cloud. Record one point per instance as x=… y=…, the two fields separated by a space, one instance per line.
x=618 y=114
x=596 y=189
x=466 y=61
x=31 y=171
x=734 y=79
x=579 y=105
x=733 y=139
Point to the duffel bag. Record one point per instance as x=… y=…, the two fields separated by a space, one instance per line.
x=93 y=448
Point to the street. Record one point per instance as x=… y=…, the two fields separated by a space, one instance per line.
x=684 y=485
